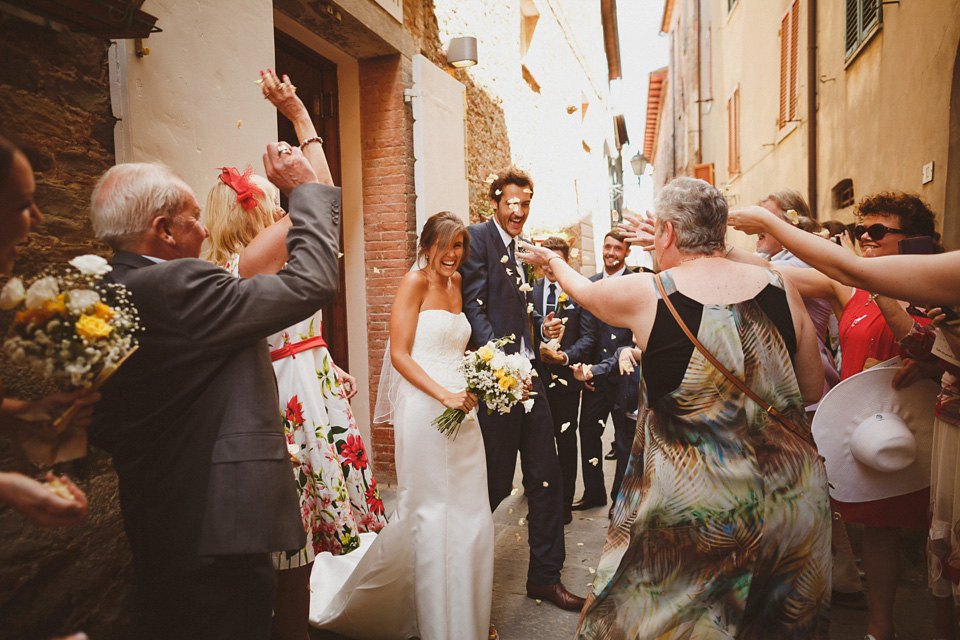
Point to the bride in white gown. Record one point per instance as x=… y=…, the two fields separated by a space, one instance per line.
x=429 y=572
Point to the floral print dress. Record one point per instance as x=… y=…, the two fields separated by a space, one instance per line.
x=339 y=498
x=724 y=530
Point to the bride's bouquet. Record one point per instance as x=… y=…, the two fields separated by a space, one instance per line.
x=69 y=328
x=501 y=381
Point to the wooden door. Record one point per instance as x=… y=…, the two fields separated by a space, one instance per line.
x=316 y=80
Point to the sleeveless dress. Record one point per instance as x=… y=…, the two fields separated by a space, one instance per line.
x=865 y=340
x=429 y=572
x=724 y=530
x=339 y=498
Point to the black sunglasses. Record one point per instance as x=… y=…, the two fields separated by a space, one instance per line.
x=876 y=231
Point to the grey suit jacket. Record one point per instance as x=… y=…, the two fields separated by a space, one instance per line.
x=192 y=418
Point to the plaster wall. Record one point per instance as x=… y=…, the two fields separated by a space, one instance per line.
x=192 y=102
x=565 y=147
x=746 y=54
x=885 y=113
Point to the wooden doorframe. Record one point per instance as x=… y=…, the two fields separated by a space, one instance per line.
x=316 y=80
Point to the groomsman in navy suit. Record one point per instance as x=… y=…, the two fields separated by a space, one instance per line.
x=497 y=302
x=552 y=306
x=603 y=386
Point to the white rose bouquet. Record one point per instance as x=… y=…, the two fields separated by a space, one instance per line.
x=71 y=329
x=500 y=380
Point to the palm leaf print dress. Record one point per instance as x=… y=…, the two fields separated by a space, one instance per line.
x=724 y=531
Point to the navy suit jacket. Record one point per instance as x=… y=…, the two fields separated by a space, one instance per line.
x=192 y=419
x=576 y=343
x=492 y=300
x=607 y=342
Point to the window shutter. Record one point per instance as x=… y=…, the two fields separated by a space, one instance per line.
x=794 y=46
x=784 y=68
x=870 y=14
x=853 y=25
x=704 y=172
x=733 y=133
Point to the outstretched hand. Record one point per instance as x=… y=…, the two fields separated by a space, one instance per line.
x=532 y=254
x=40 y=504
x=751 y=220
x=639 y=231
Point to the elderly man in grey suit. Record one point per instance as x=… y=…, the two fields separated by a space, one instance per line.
x=192 y=420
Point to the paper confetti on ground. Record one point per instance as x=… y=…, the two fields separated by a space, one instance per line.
x=592 y=570
x=579 y=544
x=522 y=521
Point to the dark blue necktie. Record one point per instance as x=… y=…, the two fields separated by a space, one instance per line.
x=552 y=299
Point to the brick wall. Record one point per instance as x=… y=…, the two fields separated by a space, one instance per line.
x=386 y=134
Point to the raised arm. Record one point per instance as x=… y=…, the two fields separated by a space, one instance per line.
x=628 y=302
x=922 y=279
x=283 y=95
x=806 y=361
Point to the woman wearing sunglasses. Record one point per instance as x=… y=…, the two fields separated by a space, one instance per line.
x=865 y=340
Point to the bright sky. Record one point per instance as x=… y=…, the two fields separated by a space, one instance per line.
x=642 y=49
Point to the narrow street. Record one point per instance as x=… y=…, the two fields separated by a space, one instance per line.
x=520 y=618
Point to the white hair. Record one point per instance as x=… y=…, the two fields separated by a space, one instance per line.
x=698 y=213
x=129 y=196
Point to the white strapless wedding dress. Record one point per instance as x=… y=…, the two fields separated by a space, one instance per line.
x=429 y=572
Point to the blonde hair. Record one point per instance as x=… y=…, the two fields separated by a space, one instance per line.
x=231 y=226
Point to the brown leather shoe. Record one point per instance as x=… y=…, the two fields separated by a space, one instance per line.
x=555 y=593
x=494 y=634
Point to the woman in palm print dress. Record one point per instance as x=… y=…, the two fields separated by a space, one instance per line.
x=724 y=531
x=339 y=498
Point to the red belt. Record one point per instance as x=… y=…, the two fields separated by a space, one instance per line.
x=297 y=347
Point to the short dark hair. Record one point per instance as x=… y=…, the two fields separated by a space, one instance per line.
x=616 y=235
x=510 y=175
x=916 y=217
x=443 y=228
x=556 y=243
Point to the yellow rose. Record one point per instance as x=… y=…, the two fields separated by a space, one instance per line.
x=37 y=316
x=91 y=327
x=486 y=353
x=506 y=382
x=102 y=311
x=499 y=373
x=55 y=306
x=563 y=297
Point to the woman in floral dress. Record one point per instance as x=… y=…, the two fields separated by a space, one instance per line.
x=339 y=498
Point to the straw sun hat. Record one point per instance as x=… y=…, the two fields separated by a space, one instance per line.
x=876 y=440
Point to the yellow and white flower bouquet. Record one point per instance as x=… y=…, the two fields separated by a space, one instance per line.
x=498 y=379
x=68 y=327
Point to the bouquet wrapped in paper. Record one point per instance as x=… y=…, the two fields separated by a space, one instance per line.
x=498 y=379
x=73 y=331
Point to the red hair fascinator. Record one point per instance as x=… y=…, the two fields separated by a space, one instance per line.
x=247 y=192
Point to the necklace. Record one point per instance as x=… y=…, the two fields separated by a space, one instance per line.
x=871 y=298
x=698 y=257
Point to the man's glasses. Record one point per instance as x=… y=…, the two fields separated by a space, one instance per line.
x=876 y=231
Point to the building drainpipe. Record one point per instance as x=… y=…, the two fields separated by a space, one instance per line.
x=813 y=85
x=698 y=156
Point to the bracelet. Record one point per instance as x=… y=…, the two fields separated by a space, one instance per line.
x=552 y=257
x=309 y=140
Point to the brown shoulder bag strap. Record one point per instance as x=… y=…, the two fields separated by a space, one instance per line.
x=726 y=372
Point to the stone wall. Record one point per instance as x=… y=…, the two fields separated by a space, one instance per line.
x=55 y=96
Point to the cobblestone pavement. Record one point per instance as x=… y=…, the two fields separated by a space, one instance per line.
x=520 y=618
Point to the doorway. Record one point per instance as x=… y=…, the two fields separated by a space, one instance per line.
x=316 y=81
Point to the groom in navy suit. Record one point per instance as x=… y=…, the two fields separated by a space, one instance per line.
x=497 y=301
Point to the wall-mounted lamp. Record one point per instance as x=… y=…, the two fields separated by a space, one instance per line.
x=639 y=164
x=462 y=52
